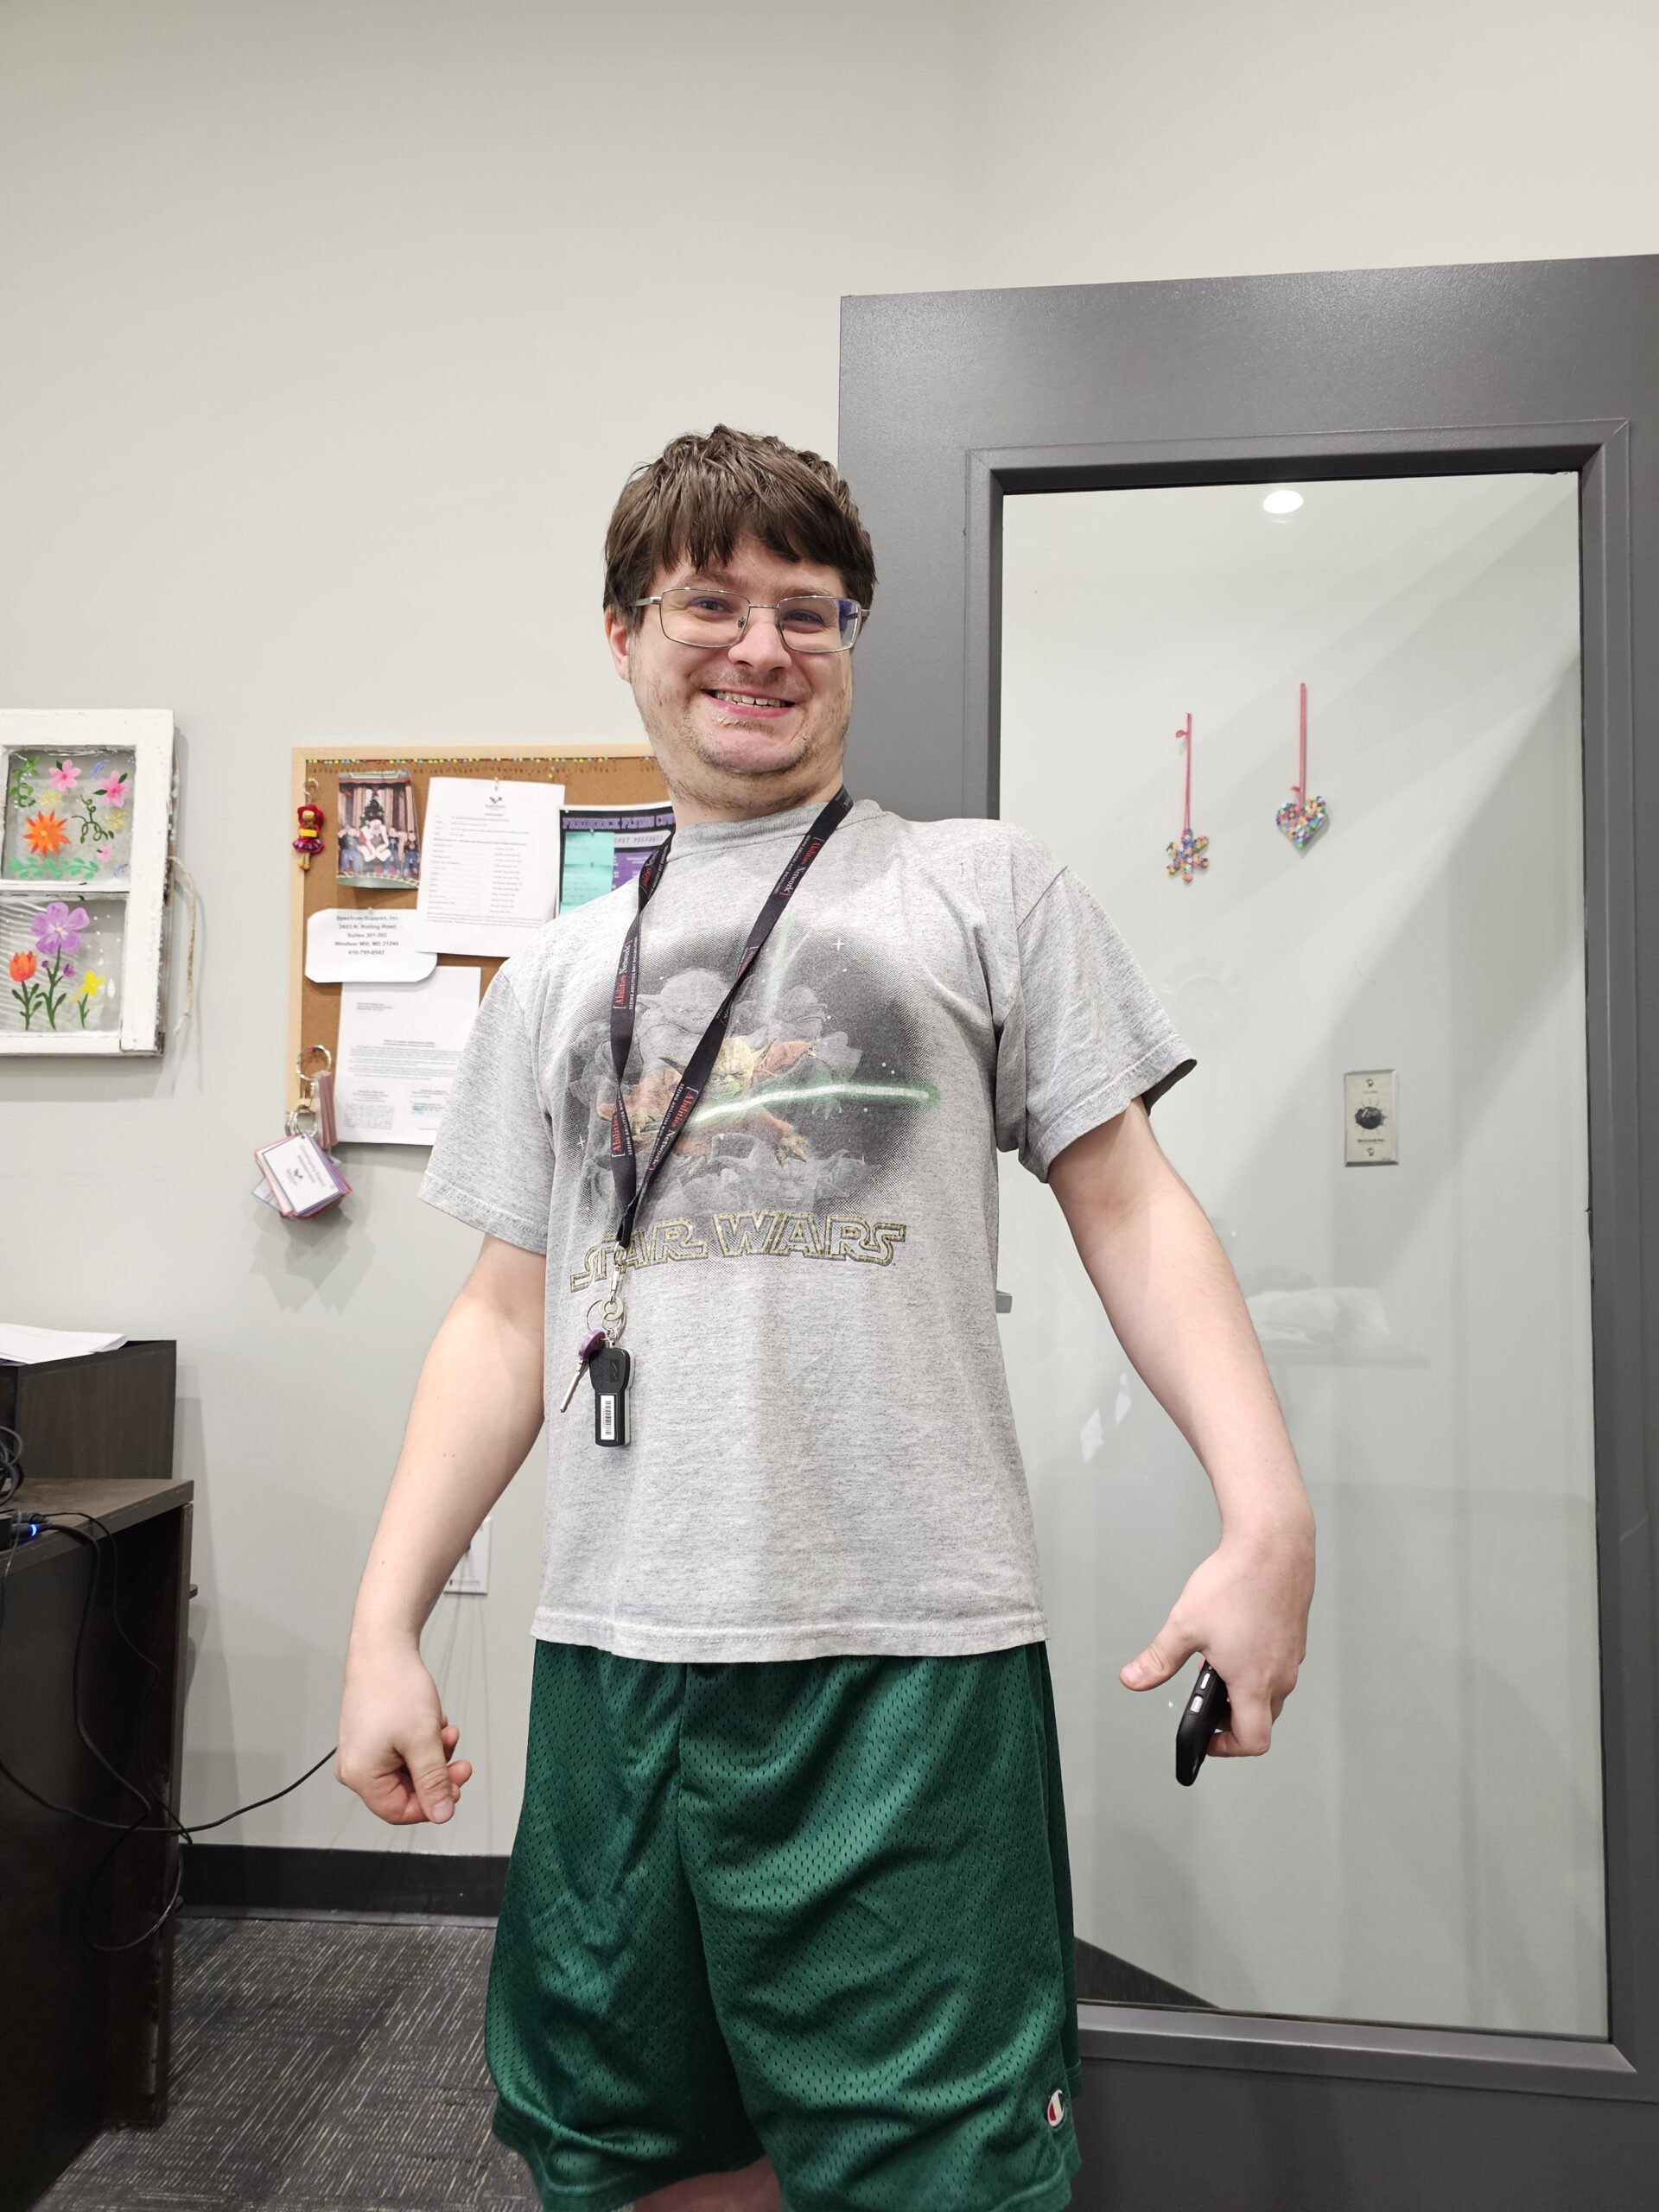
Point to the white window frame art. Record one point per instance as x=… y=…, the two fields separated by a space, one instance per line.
x=147 y=733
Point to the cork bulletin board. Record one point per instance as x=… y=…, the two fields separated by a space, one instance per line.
x=620 y=773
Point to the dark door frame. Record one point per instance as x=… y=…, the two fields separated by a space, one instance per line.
x=951 y=402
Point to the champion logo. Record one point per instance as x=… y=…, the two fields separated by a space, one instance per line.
x=1055 y=2109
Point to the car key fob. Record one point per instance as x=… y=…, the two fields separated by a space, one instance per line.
x=1207 y=1709
x=610 y=1371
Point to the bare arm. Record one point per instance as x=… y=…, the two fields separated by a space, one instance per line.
x=476 y=1412
x=1178 y=1313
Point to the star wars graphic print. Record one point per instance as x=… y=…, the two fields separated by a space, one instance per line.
x=823 y=1458
x=813 y=1098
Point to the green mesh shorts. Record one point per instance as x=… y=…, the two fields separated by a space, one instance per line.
x=818 y=1909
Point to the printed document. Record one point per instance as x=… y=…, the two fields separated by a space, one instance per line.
x=366 y=943
x=396 y=1058
x=489 y=864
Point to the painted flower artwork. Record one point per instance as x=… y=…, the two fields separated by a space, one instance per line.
x=67 y=818
x=57 y=930
x=88 y=798
x=46 y=977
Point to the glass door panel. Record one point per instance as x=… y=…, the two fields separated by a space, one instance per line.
x=1424 y=1842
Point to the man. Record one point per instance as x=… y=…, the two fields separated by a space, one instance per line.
x=788 y=1908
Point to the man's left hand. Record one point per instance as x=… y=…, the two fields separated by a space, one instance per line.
x=1245 y=1608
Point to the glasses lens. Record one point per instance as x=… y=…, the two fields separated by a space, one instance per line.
x=694 y=615
x=815 y=625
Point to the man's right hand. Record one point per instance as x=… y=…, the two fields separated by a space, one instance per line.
x=396 y=1744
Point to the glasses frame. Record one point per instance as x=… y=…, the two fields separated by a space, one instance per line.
x=771 y=606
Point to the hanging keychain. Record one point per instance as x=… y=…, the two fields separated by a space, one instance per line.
x=298 y=1174
x=1302 y=818
x=1187 y=852
x=609 y=1368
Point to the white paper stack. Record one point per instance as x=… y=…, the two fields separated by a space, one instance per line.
x=22 y=1346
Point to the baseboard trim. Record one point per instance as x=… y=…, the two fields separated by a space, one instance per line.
x=439 y=1885
x=428 y=1885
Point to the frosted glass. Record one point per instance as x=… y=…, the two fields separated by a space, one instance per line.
x=61 y=965
x=68 y=816
x=1424 y=1842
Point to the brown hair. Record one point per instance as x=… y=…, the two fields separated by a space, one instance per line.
x=701 y=494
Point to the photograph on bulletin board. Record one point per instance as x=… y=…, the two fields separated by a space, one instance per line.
x=378 y=830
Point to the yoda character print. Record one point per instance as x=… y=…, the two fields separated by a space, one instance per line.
x=797 y=1124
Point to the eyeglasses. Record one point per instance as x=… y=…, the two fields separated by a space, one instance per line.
x=702 y=614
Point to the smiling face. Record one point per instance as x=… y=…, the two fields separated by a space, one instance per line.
x=748 y=728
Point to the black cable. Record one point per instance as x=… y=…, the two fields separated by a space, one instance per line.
x=11 y=1463
x=10 y=1475
x=149 y=1802
x=202 y=1827
x=155 y=1925
x=197 y=1827
x=80 y=1535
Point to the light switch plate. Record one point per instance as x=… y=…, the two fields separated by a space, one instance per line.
x=470 y=1577
x=1370 y=1137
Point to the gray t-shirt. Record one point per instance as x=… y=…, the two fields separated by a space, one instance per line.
x=824 y=1456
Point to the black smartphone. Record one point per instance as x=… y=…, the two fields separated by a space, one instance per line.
x=1207 y=1709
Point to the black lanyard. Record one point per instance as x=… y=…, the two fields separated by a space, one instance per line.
x=630 y=1190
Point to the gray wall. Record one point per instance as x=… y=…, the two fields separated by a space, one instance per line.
x=329 y=333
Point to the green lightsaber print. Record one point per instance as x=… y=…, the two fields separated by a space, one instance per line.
x=796 y=1097
x=817 y=1094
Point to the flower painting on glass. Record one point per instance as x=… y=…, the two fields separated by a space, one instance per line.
x=60 y=964
x=86 y=803
x=69 y=815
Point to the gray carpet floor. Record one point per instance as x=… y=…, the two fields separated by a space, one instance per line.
x=332 y=2065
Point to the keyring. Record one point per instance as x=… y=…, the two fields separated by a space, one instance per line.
x=308 y=1098
x=614 y=1306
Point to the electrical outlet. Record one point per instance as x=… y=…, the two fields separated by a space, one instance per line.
x=1369 y=1136
x=471 y=1576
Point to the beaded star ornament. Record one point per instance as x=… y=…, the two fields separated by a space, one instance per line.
x=1187 y=853
x=1302 y=818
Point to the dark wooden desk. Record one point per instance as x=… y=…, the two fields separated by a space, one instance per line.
x=87 y=2031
